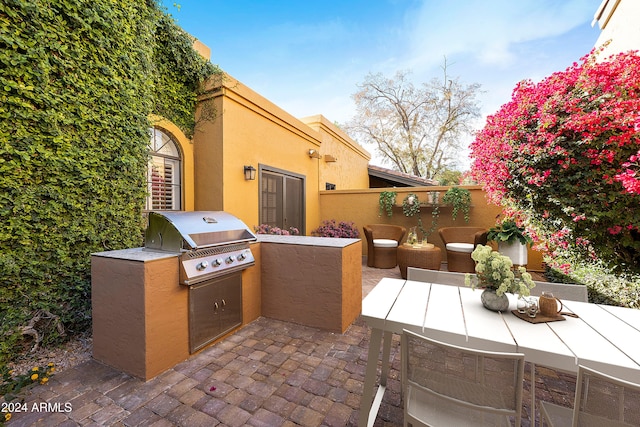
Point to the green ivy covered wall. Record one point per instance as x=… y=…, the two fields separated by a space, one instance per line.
x=78 y=81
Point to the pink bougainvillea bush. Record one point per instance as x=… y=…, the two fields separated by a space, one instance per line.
x=565 y=152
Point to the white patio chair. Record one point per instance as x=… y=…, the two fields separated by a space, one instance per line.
x=601 y=401
x=435 y=276
x=564 y=291
x=447 y=385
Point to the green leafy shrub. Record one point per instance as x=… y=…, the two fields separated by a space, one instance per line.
x=604 y=287
x=79 y=80
x=509 y=231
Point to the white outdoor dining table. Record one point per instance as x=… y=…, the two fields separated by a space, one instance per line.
x=602 y=337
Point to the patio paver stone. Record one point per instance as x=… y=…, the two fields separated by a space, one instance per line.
x=270 y=373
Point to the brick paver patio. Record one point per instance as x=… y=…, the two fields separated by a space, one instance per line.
x=270 y=373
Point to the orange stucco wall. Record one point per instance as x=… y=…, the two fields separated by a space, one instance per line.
x=139 y=311
x=250 y=130
x=362 y=207
x=343 y=162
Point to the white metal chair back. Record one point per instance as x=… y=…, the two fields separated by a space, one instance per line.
x=435 y=276
x=568 y=291
x=447 y=385
x=601 y=401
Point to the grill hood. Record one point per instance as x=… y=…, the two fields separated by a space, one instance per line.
x=180 y=231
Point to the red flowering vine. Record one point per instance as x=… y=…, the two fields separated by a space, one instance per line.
x=565 y=152
x=630 y=177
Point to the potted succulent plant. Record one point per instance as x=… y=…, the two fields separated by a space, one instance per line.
x=512 y=240
x=495 y=273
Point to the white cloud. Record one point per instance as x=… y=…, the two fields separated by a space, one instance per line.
x=488 y=30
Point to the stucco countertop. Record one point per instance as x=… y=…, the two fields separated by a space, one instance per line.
x=136 y=254
x=330 y=242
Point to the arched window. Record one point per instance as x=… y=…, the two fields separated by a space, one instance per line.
x=163 y=176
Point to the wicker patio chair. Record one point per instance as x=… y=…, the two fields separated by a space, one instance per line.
x=382 y=244
x=459 y=243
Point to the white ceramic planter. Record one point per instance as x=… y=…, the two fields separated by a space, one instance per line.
x=517 y=252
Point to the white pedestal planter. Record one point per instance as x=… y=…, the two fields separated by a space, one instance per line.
x=517 y=252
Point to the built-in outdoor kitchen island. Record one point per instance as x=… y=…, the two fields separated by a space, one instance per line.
x=141 y=311
x=313 y=281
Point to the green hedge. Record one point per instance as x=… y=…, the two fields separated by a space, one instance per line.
x=78 y=80
x=604 y=287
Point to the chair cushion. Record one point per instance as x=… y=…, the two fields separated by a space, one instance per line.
x=460 y=247
x=385 y=243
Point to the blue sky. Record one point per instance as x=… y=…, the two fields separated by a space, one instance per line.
x=309 y=57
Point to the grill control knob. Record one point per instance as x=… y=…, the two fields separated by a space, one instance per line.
x=217 y=262
x=229 y=260
x=202 y=265
x=242 y=256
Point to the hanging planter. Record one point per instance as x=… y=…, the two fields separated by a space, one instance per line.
x=460 y=200
x=434 y=197
x=386 y=201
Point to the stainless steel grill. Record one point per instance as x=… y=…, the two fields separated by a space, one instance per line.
x=214 y=249
x=210 y=243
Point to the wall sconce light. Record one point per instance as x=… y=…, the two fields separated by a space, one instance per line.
x=329 y=158
x=249 y=173
x=313 y=154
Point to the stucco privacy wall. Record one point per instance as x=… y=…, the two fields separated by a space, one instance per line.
x=250 y=130
x=362 y=207
x=343 y=161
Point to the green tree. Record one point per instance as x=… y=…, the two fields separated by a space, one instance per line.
x=449 y=177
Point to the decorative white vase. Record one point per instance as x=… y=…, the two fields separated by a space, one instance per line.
x=516 y=251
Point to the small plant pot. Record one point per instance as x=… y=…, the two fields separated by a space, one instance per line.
x=491 y=300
